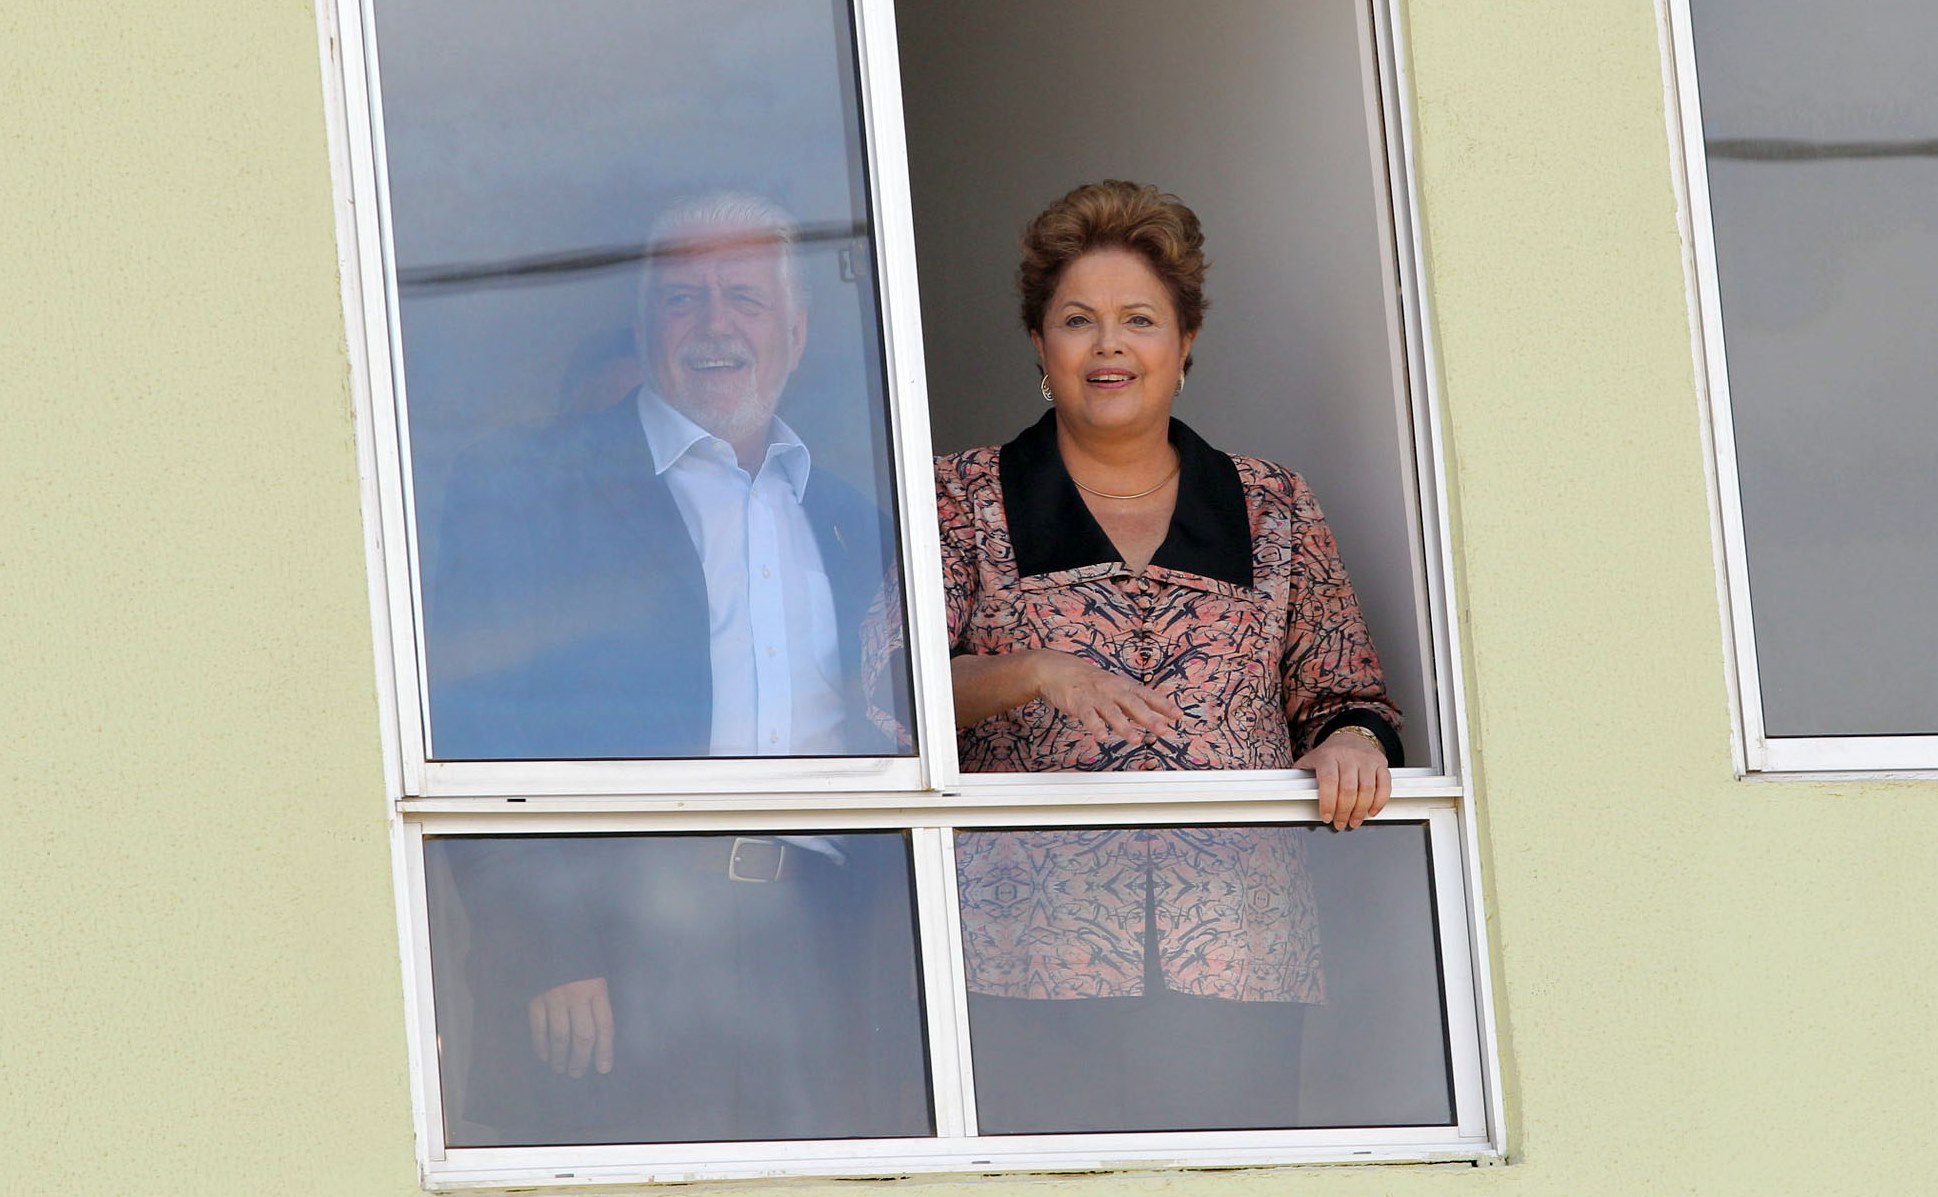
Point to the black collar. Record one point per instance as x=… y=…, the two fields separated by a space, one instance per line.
x=1052 y=530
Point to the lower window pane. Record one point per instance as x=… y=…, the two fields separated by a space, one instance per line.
x=1203 y=978
x=675 y=988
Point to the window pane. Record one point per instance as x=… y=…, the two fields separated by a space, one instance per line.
x=643 y=365
x=1820 y=122
x=754 y=987
x=1203 y=978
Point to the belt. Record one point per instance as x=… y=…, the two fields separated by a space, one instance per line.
x=753 y=859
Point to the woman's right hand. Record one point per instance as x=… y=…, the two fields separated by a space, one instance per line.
x=1104 y=703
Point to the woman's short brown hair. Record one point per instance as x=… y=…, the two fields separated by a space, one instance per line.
x=1115 y=214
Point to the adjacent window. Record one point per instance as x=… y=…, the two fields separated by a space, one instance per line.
x=1812 y=137
x=693 y=883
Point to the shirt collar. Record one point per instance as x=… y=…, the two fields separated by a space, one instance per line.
x=1052 y=530
x=671 y=435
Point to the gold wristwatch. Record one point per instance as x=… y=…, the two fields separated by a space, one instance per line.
x=1358 y=730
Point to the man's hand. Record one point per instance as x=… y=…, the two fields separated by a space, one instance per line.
x=1354 y=780
x=572 y=1026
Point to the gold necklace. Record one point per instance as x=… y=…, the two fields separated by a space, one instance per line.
x=1101 y=494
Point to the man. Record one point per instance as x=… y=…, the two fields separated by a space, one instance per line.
x=666 y=578
x=669 y=578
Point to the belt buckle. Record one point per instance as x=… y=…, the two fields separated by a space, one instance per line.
x=752 y=857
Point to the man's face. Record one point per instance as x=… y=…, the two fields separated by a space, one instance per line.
x=720 y=332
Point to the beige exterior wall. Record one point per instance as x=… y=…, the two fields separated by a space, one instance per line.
x=1705 y=986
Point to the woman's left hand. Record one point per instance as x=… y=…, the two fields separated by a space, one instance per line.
x=1354 y=781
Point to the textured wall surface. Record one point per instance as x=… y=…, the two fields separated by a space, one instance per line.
x=1706 y=986
x=198 y=977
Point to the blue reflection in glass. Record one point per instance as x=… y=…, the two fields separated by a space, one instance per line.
x=585 y=596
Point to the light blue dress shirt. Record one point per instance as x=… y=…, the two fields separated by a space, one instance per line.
x=770 y=609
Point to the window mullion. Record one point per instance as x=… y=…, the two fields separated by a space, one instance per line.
x=945 y=994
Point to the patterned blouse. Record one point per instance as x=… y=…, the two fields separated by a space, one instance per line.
x=1246 y=620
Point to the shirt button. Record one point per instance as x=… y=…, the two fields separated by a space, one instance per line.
x=766 y=572
x=773 y=737
x=771 y=650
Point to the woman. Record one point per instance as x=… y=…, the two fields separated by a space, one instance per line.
x=1122 y=596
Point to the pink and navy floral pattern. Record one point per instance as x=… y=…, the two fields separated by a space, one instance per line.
x=1246 y=619
x=1060 y=914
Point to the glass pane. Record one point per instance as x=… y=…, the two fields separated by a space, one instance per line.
x=1203 y=978
x=642 y=355
x=690 y=988
x=1821 y=126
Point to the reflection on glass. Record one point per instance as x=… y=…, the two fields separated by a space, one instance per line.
x=645 y=989
x=1821 y=129
x=1149 y=979
x=643 y=369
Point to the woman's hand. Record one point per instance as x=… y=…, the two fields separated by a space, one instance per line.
x=1105 y=703
x=1354 y=780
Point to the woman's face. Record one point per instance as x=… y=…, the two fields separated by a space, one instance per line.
x=1111 y=345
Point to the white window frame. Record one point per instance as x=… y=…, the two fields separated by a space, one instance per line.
x=1755 y=751
x=926 y=795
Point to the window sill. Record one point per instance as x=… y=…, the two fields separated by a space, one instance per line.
x=502 y=1169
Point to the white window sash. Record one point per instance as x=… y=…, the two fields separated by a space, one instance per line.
x=992 y=790
x=378 y=381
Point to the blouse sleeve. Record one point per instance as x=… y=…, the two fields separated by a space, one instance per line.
x=1331 y=673
x=884 y=636
x=884 y=663
x=955 y=513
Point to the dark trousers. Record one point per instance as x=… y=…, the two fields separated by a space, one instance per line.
x=1161 y=1061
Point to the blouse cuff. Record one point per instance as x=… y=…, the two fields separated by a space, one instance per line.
x=1388 y=738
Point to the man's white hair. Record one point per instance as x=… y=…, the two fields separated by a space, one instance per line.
x=686 y=225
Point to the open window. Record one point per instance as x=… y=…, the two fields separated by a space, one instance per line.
x=661 y=926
